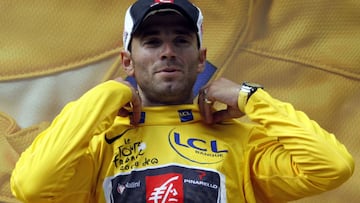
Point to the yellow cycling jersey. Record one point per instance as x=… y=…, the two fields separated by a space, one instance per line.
x=89 y=154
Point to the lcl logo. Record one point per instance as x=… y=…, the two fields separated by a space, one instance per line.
x=197 y=150
x=198 y=144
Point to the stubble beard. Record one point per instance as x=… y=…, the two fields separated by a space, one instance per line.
x=171 y=94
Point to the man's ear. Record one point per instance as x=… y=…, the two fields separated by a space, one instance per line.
x=127 y=63
x=202 y=60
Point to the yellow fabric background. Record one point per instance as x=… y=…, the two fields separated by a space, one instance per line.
x=305 y=52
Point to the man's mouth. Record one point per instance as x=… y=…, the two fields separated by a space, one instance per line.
x=169 y=70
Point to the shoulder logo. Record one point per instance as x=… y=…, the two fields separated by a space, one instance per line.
x=111 y=140
x=185 y=115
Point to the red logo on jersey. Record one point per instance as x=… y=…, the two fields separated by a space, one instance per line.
x=167 y=188
x=164 y=1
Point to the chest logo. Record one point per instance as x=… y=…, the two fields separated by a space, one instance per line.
x=196 y=149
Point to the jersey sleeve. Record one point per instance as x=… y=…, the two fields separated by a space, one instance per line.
x=291 y=156
x=58 y=164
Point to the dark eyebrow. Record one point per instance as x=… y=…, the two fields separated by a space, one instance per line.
x=146 y=32
x=184 y=31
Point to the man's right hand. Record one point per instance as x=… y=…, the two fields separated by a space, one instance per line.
x=134 y=105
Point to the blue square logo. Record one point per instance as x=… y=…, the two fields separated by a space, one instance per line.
x=186 y=115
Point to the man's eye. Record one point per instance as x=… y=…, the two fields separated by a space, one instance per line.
x=182 y=41
x=152 y=42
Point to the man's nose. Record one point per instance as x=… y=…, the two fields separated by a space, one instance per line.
x=168 y=50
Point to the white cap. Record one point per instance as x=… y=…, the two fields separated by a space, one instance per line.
x=142 y=9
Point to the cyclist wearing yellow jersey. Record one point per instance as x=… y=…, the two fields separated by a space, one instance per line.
x=159 y=143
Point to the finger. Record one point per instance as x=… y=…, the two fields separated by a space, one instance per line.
x=205 y=107
x=208 y=113
x=220 y=116
x=136 y=109
x=133 y=108
x=201 y=103
x=226 y=114
x=123 y=112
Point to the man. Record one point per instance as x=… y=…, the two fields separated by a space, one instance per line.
x=158 y=143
